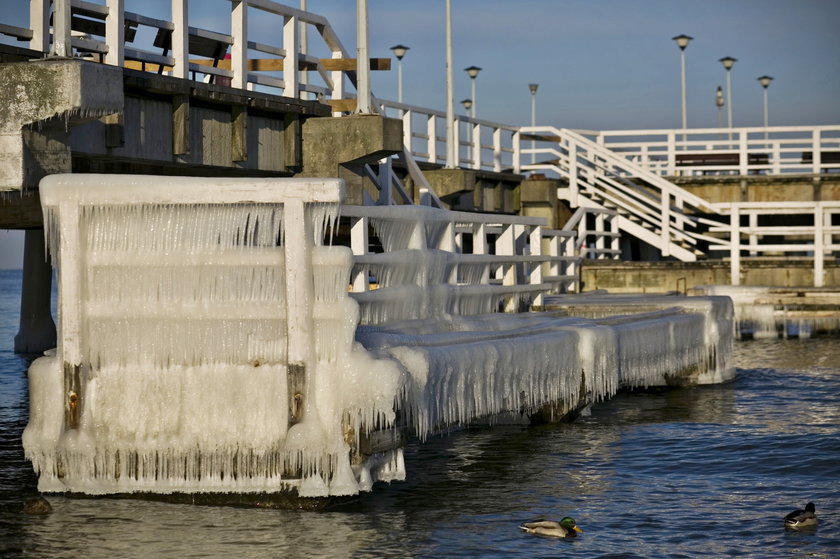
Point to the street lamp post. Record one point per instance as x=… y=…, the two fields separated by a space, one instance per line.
x=765 y=83
x=472 y=71
x=728 y=62
x=682 y=42
x=451 y=148
x=399 y=51
x=468 y=105
x=533 y=87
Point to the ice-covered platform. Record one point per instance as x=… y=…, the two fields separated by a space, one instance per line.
x=781 y=312
x=211 y=344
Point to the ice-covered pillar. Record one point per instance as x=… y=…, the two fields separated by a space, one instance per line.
x=37 y=329
x=298 y=233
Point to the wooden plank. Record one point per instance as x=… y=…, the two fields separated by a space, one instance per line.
x=292 y=146
x=349 y=64
x=180 y=124
x=239 y=133
x=255 y=64
x=342 y=105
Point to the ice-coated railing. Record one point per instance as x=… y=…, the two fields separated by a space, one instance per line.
x=197 y=319
x=432 y=262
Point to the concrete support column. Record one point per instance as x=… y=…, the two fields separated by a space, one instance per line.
x=37 y=329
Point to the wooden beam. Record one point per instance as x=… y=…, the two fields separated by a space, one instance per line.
x=239 y=133
x=342 y=105
x=180 y=124
x=349 y=64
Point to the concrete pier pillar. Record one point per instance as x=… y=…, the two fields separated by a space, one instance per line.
x=37 y=329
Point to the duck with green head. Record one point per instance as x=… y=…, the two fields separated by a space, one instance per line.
x=566 y=528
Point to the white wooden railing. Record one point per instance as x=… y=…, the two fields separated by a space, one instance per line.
x=776 y=150
x=482 y=144
x=110 y=34
x=778 y=230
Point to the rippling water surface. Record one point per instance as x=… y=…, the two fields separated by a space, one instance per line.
x=697 y=472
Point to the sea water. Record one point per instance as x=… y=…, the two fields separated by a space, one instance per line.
x=707 y=471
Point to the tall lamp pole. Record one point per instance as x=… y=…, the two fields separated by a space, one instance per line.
x=399 y=51
x=682 y=42
x=533 y=87
x=728 y=62
x=451 y=148
x=765 y=83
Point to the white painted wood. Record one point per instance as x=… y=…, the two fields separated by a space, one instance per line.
x=291 y=44
x=180 y=38
x=39 y=22
x=62 y=42
x=239 y=50
x=115 y=32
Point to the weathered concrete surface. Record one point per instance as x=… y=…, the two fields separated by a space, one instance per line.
x=763 y=188
x=663 y=277
x=538 y=198
x=55 y=93
x=342 y=146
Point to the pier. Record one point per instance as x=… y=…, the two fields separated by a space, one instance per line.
x=269 y=278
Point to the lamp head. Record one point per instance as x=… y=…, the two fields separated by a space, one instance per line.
x=399 y=51
x=765 y=81
x=467 y=103
x=728 y=62
x=682 y=41
x=533 y=87
x=472 y=71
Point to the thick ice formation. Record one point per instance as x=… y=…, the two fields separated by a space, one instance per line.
x=208 y=342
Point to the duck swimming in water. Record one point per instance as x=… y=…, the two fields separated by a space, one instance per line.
x=566 y=528
x=802 y=518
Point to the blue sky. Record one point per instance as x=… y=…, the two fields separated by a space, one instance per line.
x=600 y=64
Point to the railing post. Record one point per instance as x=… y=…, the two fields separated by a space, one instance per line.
x=517 y=152
x=615 y=242
x=181 y=37
x=406 y=120
x=570 y=267
x=599 y=236
x=359 y=246
x=816 y=150
x=431 y=132
x=735 y=246
x=672 y=154
x=337 y=77
x=536 y=271
x=115 y=32
x=753 y=217
x=819 y=247
x=573 y=175
x=497 y=150
x=743 y=153
x=297 y=230
x=62 y=39
x=291 y=44
x=448 y=243
x=479 y=238
x=476 y=145
x=239 y=51
x=665 y=223
x=506 y=246
x=39 y=22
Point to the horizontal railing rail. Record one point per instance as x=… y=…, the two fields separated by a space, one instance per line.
x=775 y=150
x=778 y=230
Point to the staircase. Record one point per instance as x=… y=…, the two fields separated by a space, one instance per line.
x=649 y=207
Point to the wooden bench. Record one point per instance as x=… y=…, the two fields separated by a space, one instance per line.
x=706 y=159
x=832 y=157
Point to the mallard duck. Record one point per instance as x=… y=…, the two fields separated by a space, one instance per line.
x=566 y=528
x=802 y=518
